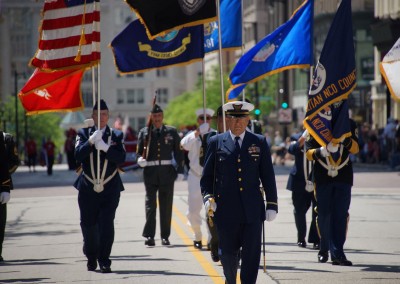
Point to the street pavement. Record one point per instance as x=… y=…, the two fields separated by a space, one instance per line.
x=43 y=242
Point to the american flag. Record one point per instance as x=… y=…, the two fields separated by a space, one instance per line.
x=69 y=35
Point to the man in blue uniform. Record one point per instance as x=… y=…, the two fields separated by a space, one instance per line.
x=162 y=158
x=235 y=163
x=333 y=187
x=302 y=192
x=99 y=195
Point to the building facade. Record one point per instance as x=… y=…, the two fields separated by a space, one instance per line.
x=129 y=97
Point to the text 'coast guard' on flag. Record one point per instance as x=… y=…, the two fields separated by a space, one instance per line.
x=52 y=91
x=69 y=35
x=288 y=47
x=231 y=27
x=160 y=17
x=334 y=78
x=134 y=52
x=390 y=70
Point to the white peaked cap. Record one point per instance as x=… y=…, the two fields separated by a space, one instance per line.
x=200 y=112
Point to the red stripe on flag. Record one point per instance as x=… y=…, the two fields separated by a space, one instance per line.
x=71 y=41
x=72 y=21
x=58 y=64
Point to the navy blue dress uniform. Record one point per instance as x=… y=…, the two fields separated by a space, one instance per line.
x=231 y=177
x=99 y=196
x=9 y=163
x=302 y=197
x=333 y=189
x=162 y=158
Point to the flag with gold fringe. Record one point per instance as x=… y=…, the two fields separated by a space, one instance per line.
x=135 y=52
x=69 y=35
x=288 y=47
x=161 y=17
x=334 y=78
x=52 y=91
x=390 y=70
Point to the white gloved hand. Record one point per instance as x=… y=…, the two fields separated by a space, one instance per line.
x=210 y=206
x=4 y=197
x=89 y=122
x=96 y=136
x=142 y=162
x=270 y=215
x=102 y=146
x=324 y=152
x=332 y=148
x=305 y=133
x=203 y=129
x=180 y=177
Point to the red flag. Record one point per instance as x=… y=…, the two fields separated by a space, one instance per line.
x=69 y=35
x=52 y=92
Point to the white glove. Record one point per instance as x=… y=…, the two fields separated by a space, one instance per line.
x=96 y=136
x=324 y=152
x=102 y=146
x=203 y=129
x=142 y=162
x=180 y=177
x=89 y=122
x=309 y=186
x=270 y=215
x=4 y=197
x=305 y=133
x=332 y=148
x=210 y=207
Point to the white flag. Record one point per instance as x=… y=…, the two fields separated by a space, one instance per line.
x=390 y=70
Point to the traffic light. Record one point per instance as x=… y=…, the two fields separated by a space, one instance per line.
x=257 y=111
x=285 y=105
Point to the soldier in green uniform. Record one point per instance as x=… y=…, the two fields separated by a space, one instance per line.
x=160 y=154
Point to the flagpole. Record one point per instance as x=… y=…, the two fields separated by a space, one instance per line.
x=203 y=67
x=242 y=46
x=220 y=62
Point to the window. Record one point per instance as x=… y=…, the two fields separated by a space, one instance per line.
x=130 y=96
x=162 y=95
x=161 y=73
x=120 y=97
x=140 y=96
x=141 y=122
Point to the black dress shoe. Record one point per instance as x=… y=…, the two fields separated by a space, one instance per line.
x=302 y=244
x=214 y=255
x=165 y=242
x=150 y=242
x=91 y=265
x=197 y=244
x=316 y=246
x=105 y=269
x=323 y=256
x=341 y=261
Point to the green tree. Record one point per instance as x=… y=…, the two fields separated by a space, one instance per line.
x=39 y=127
x=180 y=111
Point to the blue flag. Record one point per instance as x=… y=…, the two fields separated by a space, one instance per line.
x=333 y=80
x=231 y=27
x=135 y=52
x=288 y=47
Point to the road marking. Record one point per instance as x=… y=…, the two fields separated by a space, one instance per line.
x=206 y=264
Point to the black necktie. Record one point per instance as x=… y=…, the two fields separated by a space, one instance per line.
x=158 y=133
x=237 y=144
